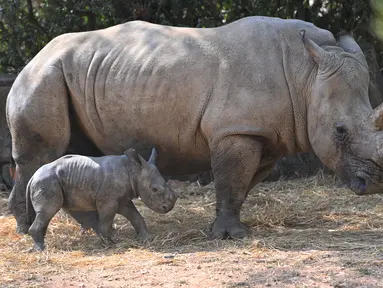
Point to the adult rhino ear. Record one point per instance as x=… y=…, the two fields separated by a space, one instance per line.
x=153 y=157
x=349 y=45
x=135 y=157
x=376 y=117
x=320 y=56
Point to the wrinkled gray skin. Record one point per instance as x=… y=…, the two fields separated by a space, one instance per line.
x=93 y=189
x=233 y=98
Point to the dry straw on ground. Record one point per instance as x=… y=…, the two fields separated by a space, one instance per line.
x=309 y=231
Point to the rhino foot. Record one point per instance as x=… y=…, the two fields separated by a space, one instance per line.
x=22 y=226
x=225 y=227
x=36 y=248
x=22 y=229
x=144 y=236
x=107 y=242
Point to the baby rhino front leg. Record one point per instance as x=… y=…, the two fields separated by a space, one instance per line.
x=130 y=212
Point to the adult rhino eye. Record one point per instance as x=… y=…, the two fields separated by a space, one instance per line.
x=154 y=189
x=341 y=129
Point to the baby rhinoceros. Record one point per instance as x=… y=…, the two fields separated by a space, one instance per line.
x=93 y=189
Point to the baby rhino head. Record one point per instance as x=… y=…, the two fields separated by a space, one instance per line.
x=150 y=185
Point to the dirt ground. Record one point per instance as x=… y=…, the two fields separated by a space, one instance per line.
x=305 y=233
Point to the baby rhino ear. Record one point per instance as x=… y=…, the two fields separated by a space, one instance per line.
x=135 y=157
x=153 y=157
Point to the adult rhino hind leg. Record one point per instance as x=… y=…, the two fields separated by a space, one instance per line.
x=25 y=167
x=235 y=160
x=37 y=115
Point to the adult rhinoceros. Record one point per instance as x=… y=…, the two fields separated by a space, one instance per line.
x=234 y=98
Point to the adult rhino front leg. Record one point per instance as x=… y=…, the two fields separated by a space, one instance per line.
x=235 y=160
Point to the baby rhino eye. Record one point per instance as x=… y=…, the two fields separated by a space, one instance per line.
x=154 y=189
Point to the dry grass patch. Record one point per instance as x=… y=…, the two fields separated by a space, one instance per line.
x=303 y=231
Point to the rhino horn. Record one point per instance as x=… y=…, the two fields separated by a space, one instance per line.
x=153 y=157
x=376 y=117
x=319 y=55
x=349 y=45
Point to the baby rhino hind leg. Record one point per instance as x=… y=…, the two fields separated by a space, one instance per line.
x=47 y=200
x=107 y=209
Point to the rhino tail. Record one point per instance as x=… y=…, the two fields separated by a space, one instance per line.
x=31 y=214
x=12 y=170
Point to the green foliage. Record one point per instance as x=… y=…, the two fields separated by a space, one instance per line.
x=27 y=25
x=377 y=22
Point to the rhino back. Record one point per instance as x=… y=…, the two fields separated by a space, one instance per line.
x=139 y=85
x=85 y=180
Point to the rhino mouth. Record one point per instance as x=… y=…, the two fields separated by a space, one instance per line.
x=358 y=185
x=163 y=209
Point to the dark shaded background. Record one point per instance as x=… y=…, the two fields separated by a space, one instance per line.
x=27 y=25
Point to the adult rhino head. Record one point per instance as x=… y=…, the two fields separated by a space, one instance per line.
x=343 y=129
